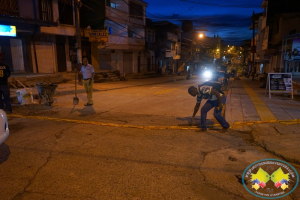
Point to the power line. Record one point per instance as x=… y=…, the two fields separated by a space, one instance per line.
x=113 y=20
x=145 y=11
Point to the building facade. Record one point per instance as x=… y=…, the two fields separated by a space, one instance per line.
x=24 y=52
x=278 y=30
x=125 y=48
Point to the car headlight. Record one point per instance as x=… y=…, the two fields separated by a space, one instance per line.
x=207 y=74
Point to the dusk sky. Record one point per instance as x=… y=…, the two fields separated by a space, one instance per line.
x=230 y=19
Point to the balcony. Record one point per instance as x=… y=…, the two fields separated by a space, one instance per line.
x=172 y=37
x=136 y=41
x=172 y=54
x=45 y=9
x=113 y=13
x=122 y=17
x=122 y=42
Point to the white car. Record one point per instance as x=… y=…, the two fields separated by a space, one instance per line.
x=4 y=131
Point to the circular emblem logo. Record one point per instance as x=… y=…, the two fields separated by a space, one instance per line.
x=270 y=178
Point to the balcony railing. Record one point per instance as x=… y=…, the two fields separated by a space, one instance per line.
x=123 y=16
x=172 y=54
x=9 y=8
x=121 y=40
x=45 y=10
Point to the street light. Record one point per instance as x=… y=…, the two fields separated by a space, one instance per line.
x=201 y=35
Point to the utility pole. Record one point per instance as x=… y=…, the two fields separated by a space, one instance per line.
x=78 y=36
x=253 y=46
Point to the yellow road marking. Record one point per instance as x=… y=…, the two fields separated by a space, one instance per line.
x=262 y=109
x=232 y=125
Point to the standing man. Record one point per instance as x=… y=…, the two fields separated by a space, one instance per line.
x=88 y=73
x=216 y=99
x=4 y=88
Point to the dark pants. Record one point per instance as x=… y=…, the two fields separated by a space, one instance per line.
x=5 y=94
x=217 y=113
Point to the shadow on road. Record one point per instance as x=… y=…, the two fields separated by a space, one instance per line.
x=196 y=122
x=86 y=111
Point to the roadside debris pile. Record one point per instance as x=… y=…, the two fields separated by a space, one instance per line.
x=46 y=91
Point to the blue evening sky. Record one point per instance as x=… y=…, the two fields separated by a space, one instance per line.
x=230 y=19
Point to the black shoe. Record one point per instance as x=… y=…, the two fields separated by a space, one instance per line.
x=88 y=104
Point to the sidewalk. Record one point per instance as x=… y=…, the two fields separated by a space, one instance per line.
x=248 y=103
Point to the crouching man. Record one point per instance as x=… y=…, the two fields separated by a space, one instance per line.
x=215 y=99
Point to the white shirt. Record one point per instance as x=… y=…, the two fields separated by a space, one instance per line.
x=87 y=71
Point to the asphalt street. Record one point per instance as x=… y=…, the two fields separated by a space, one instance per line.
x=134 y=143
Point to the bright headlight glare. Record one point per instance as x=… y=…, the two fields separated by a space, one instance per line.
x=207 y=74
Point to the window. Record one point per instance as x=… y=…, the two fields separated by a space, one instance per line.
x=136 y=11
x=168 y=45
x=150 y=36
x=65 y=9
x=113 y=5
x=45 y=10
x=131 y=33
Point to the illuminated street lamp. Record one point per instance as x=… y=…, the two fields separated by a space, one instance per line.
x=201 y=35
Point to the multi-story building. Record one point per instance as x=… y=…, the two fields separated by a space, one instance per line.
x=55 y=46
x=150 y=46
x=47 y=42
x=168 y=46
x=25 y=52
x=277 y=28
x=125 y=49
